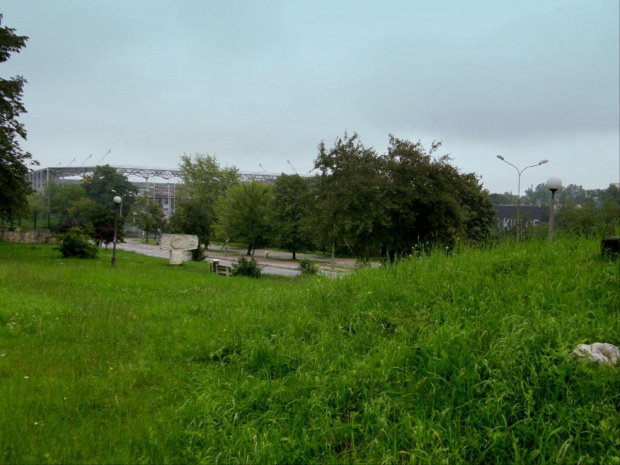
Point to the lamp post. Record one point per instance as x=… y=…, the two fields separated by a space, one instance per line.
x=226 y=226
x=117 y=204
x=541 y=162
x=553 y=184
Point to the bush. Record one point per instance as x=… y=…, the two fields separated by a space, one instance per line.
x=198 y=255
x=76 y=243
x=307 y=266
x=243 y=267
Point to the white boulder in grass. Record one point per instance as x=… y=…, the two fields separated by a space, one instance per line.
x=600 y=352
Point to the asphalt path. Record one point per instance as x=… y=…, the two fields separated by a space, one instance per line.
x=277 y=262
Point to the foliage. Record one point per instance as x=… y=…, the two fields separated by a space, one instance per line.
x=245 y=212
x=76 y=243
x=96 y=220
x=57 y=198
x=349 y=205
x=203 y=182
x=105 y=183
x=458 y=359
x=290 y=206
x=148 y=214
x=307 y=266
x=578 y=211
x=392 y=202
x=243 y=267
x=506 y=198
x=14 y=188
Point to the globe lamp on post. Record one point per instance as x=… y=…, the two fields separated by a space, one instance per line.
x=553 y=184
x=117 y=203
x=541 y=162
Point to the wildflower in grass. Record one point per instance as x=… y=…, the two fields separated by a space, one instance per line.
x=26 y=377
x=369 y=292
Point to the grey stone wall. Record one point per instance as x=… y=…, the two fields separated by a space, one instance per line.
x=34 y=236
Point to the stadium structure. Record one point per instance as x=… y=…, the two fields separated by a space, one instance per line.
x=149 y=180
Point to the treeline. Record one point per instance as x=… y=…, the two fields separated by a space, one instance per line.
x=360 y=202
x=577 y=210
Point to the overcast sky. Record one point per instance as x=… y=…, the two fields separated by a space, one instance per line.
x=263 y=82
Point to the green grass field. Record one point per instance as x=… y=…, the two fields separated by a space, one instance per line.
x=440 y=359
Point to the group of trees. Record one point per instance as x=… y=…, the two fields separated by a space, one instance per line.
x=361 y=203
x=88 y=205
x=578 y=210
x=365 y=202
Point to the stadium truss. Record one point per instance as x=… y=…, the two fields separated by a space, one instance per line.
x=40 y=178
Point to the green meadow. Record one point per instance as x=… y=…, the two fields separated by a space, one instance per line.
x=440 y=359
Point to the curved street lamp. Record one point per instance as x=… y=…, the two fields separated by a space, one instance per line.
x=117 y=203
x=553 y=184
x=541 y=162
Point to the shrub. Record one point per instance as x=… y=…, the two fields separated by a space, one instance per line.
x=198 y=255
x=243 y=267
x=76 y=243
x=307 y=266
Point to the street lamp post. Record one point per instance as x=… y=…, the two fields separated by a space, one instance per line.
x=226 y=226
x=541 y=162
x=553 y=184
x=117 y=204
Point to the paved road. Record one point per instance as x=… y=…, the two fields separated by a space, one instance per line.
x=278 y=263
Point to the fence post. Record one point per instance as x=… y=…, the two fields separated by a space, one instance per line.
x=34 y=221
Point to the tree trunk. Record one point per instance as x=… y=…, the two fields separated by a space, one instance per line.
x=294 y=257
x=249 y=253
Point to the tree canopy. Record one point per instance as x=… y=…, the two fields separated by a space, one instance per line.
x=366 y=202
x=14 y=187
x=105 y=183
x=291 y=196
x=203 y=182
x=147 y=214
x=244 y=213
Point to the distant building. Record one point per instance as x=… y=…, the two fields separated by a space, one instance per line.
x=506 y=215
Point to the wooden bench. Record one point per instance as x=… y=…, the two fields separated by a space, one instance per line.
x=222 y=270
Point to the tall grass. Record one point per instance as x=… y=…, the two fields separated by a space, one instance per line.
x=462 y=358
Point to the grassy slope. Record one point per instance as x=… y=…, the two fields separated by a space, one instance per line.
x=463 y=359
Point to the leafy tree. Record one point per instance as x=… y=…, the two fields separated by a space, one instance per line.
x=432 y=201
x=348 y=209
x=395 y=201
x=203 y=182
x=63 y=196
x=95 y=219
x=14 y=188
x=598 y=215
x=291 y=196
x=148 y=214
x=248 y=208
x=105 y=179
